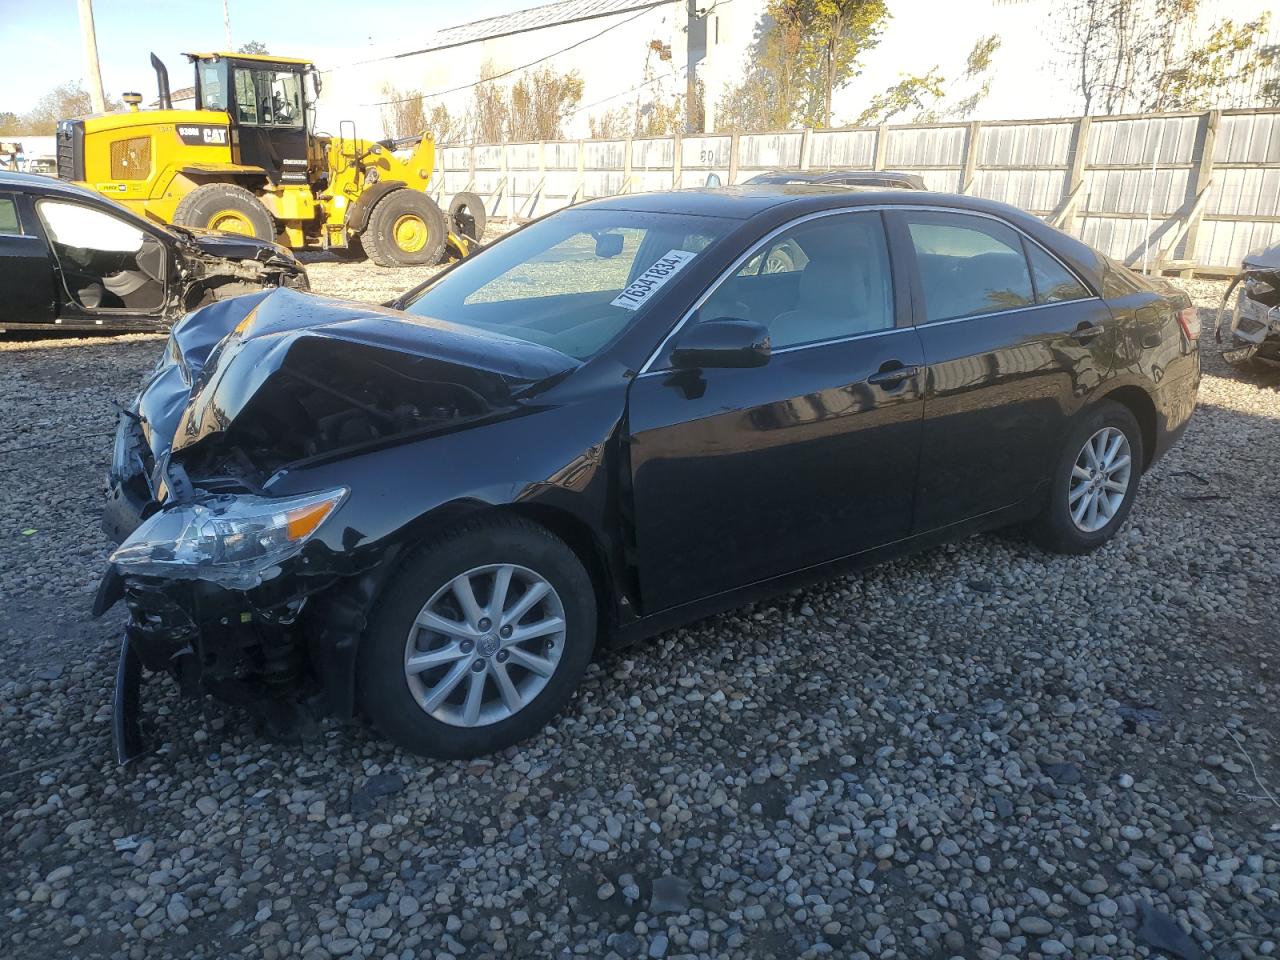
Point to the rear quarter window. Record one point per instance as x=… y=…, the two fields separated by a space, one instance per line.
x=9 y=223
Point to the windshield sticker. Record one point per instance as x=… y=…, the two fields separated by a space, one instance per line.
x=644 y=286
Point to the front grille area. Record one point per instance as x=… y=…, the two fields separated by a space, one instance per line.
x=131 y=159
x=70 y=150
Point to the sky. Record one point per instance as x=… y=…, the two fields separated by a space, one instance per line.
x=42 y=44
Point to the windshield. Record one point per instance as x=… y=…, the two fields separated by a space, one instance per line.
x=573 y=281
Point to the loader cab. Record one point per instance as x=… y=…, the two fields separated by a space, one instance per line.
x=266 y=99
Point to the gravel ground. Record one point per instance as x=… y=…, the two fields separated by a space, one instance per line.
x=978 y=752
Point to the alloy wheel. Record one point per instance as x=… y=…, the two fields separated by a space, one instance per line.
x=1100 y=479
x=485 y=645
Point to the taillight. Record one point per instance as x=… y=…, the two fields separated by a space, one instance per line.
x=1189 y=320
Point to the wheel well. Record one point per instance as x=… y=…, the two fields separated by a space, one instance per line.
x=579 y=538
x=1144 y=411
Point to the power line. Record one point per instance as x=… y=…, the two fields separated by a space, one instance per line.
x=507 y=73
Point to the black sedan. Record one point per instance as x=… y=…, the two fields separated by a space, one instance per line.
x=611 y=421
x=73 y=259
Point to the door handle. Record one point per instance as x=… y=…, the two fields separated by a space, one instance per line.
x=892 y=373
x=1086 y=332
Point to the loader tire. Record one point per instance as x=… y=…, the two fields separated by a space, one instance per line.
x=406 y=229
x=227 y=208
x=467 y=216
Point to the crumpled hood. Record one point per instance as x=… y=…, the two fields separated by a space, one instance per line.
x=219 y=358
x=1264 y=261
x=233 y=246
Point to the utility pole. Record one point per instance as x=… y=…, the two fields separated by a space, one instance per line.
x=695 y=49
x=92 y=73
x=226 y=23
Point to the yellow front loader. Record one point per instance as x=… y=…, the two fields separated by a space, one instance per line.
x=246 y=160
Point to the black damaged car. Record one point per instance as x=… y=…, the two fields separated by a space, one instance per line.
x=74 y=260
x=616 y=419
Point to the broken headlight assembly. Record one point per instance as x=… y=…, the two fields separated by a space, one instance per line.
x=228 y=540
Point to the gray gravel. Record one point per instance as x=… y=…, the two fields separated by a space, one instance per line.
x=978 y=752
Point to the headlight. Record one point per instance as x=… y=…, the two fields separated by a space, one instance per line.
x=229 y=540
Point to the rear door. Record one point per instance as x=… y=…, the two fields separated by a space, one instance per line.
x=741 y=475
x=1012 y=341
x=26 y=268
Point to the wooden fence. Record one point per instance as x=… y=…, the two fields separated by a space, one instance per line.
x=1171 y=191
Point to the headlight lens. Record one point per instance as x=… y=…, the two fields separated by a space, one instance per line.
x=229 y=540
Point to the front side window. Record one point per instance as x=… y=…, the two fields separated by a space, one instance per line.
x=968 y=265
x=9 y=223
x=823 y=279
x=85 y=228
x=268 y=98
x=573 y=281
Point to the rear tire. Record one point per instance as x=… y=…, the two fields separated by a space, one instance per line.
x=405 y=229
x=227 y=208
x=1083 y=476
x=468 y=216
x=484 y=652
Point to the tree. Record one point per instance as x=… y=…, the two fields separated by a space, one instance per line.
x=253 y=46
x=1150 y=55
x=62 y=102
x=929 y=94
x=535 y=107
x=540 y=102
x=804 y=52
x=1222 y=71
x=910 y=92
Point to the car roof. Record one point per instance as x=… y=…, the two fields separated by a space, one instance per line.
x=36 y=182
x=747 y=200
x=740 y=202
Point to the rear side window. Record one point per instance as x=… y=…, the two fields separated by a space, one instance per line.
x=968 y=266
x=1054 y=282
x=9 y=225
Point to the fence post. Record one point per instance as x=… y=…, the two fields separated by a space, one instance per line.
x=970 y=171
x=1075 y=176
x=676 y=160
x=733 y=160
x=882 y=146
x=806 y=148
x=626 y=165
x=582 y=171
x=542 y=179
x=1203 y=177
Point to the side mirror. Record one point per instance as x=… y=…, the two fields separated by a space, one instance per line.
x=722 y=343
x=713 y=180
x=608 y=245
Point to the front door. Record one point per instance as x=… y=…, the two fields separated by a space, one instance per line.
x=740 y=475
x=270 y=126
x=26 y=270
x=1013 y=340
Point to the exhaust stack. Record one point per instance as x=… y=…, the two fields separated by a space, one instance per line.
x=162 y=82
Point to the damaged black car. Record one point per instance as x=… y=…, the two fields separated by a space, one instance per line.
x=616 y=419
x=71 y=259
x=1254 y=329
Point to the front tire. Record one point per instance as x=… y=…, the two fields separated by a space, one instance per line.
x=478 y=641
x=405 y=229
x=227 y=208
x=1094 y=483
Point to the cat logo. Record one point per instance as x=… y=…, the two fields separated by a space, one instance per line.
x=199 y=134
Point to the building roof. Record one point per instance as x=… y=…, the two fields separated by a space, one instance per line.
x=535 y=18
